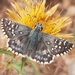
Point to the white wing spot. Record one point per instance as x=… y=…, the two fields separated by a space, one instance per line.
x=3 y=30
x=59 y=47
x=56 y=46
x=57 y=55
x=48 y=43
x=61 y=54
x=48 y=55
x=13 y=34
x=41 y=62
x=5 y=24
x=44 y=52
x=12 y=25
x=72 y=45
x=50 y=61
x=56 y=41
x=16 y=27
x=21 y=32
x=67 y=51
x=64 y=52
x=20 y=54
x=9 y=22
x=52 y=48
x=64 y=42
x=45 y=62
x=2 y=20
x=16 y=53
x=34 y=60
x=13 y=41
x=65 y=47
x=10 y=49
x=70 y=48
x=9 y=29
x=12 y=30
x=38 y=57
x=59 y=43
x=2 y=27
x=13 y=51
x=4 y=33
x=45 y=59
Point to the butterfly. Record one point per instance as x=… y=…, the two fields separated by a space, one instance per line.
x=33 y=43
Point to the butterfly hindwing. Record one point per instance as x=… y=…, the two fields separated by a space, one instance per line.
x=18 y=45
x=13 y=29
x=56 y=45
x=41 y=53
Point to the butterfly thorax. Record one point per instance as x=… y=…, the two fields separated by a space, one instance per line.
x=34 y=36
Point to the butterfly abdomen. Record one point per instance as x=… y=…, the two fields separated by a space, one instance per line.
x=33 y=38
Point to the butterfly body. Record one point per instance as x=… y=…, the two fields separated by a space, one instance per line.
x=34 y=37
x=32 y=43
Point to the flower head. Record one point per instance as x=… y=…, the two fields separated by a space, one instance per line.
x=33 y=13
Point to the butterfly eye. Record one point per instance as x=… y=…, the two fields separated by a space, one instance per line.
x=41 y=28
x=35 y=26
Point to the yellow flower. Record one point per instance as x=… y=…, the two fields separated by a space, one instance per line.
x=33 y=13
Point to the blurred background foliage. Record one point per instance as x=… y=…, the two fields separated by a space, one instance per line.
x=11 y=64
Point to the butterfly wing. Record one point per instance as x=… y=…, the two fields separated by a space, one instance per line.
x=41 y=54
x=13 y=29
x=19 y=45
x=17 y=36
x=56 y=46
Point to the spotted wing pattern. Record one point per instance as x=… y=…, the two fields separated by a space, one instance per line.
x=17 y=36
x=13 y=29
x=45 y=50
x=41 y=54
x=57 y=46
x=48 y=47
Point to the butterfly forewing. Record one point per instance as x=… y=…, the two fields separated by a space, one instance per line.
x=57 y=45
x=13 y=29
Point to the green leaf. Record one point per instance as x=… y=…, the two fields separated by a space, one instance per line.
x=22 y=64
x=5 y=51
x=18 y=66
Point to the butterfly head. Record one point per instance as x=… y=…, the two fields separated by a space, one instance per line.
x=38 y=27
